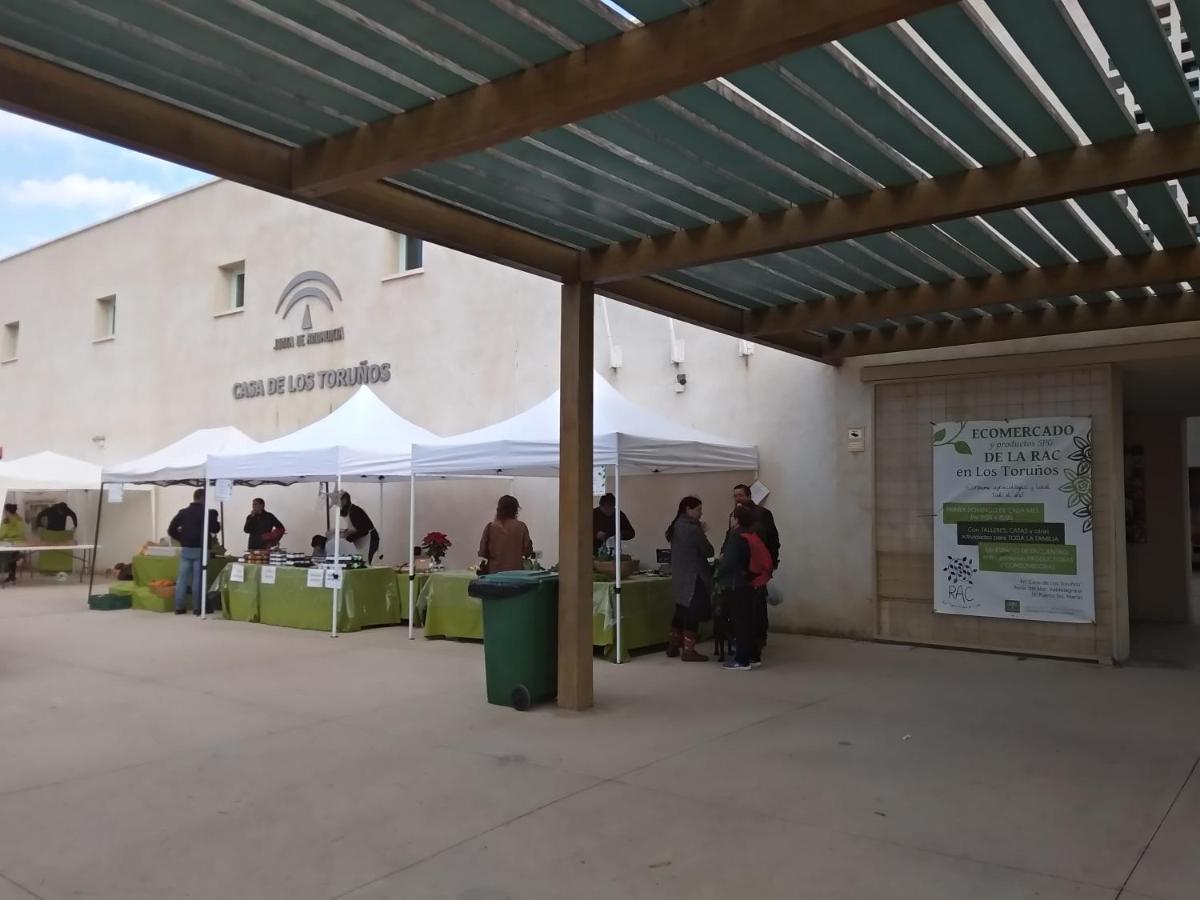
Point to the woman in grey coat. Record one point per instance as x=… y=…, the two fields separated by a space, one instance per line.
x=691 y=578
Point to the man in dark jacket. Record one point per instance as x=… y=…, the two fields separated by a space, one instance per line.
x=54 y=518
x=361 y=528
x=264 y=529
x=188 y=529
x=604 y=523
x=766 y=521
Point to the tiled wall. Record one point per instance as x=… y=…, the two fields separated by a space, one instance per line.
x=904 y=504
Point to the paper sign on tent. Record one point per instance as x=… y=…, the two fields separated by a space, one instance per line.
x=237 y=572
x=316 y=578
x=268 y=575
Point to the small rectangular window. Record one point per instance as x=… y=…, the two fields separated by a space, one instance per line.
x=232 y=296
x=106 y=318
x=12 y=336
x=410 y=253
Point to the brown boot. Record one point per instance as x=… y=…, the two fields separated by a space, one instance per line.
x=689 y=648
x=674 y=641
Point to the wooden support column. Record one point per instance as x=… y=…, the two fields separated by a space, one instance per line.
x=575 y=499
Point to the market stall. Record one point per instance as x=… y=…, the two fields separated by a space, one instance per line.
x=630 y=439
x=296 y=597
x=181 y=462
x=56 y=551
x=363 y=441
x=449 y=612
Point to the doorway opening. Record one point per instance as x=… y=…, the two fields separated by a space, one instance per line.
x=1162 y=511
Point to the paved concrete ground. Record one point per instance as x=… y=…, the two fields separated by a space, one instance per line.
x=148 y=756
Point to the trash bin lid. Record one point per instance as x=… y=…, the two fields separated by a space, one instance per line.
x=509 y=584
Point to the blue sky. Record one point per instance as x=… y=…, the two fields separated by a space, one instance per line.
x=53 y=182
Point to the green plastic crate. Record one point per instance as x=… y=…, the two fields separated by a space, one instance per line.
x=109 y=602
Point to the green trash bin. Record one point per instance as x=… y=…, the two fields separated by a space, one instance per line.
x=520 y=636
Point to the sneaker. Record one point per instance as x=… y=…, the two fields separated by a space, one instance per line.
x=756 y=663
x=734 y=666
x=181 y=612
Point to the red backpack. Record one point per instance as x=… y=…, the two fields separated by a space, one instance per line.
x=761 y=564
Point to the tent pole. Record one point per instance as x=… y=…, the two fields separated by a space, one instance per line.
x=337 y=546
x=325 y=485
x=202 y=600
x=617 y=515
x=96 y=541
x=380 y=519
x=412 y=553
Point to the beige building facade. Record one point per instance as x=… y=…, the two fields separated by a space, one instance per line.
x=125 y=336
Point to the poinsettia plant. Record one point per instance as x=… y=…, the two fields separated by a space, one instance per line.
x=435 y=544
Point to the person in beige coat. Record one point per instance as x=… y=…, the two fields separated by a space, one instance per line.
x=505 y=543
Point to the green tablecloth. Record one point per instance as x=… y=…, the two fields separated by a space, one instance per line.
x=51 y=562
x=646 y=609
x=156 y=568
x=369 y=597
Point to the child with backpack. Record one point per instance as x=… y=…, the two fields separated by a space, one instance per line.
x=744 y=570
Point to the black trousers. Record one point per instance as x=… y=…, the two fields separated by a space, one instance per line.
x=373 y=547
x=742 y=612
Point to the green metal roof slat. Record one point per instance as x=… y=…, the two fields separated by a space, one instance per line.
x=1104 y=209
x=818 y=69
x=886 y=56
x=573 y=19
x=370 y=43
x=1159 y=210
x=748 y=284
x=972 y=235
x=769 y=89
x=729 y=120
x=1133 y=36
x=950 y=32
x=1069 y=230
x=650 y=10
x=113 y=38
x=578 y=147
x=691 y=282
x=235 y=20
x=824 y=261
x=1027 y=239
x=105 y=62
x=528 y=184
x=587 y=180
x=1068 y=67
x=429 y=32
x=897 y=253
x=777 y=275
x=684 y=161
x=927 y=241
x=465 y=197
x=854 y=255
x=535 y=204
x=499 y=26
x=794 y=264
x=257 y=67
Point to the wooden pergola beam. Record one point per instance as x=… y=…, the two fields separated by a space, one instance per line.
x=1020 y=326
x=1148 y=157
x=1110 y=274
x=683 y=49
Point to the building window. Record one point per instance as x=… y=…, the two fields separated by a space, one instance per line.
x=410 y=253
x=233 y=288
x=12 y=335
x=106 y=318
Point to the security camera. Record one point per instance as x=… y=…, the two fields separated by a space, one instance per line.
x=681 y=378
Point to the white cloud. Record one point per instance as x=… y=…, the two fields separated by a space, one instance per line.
x=75 y=191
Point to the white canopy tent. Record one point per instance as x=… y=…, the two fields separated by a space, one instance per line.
x=361 y=439
x=50 y=471
x=626 y=436
x=180 y=462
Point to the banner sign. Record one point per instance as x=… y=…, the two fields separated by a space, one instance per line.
x=1012 y=533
